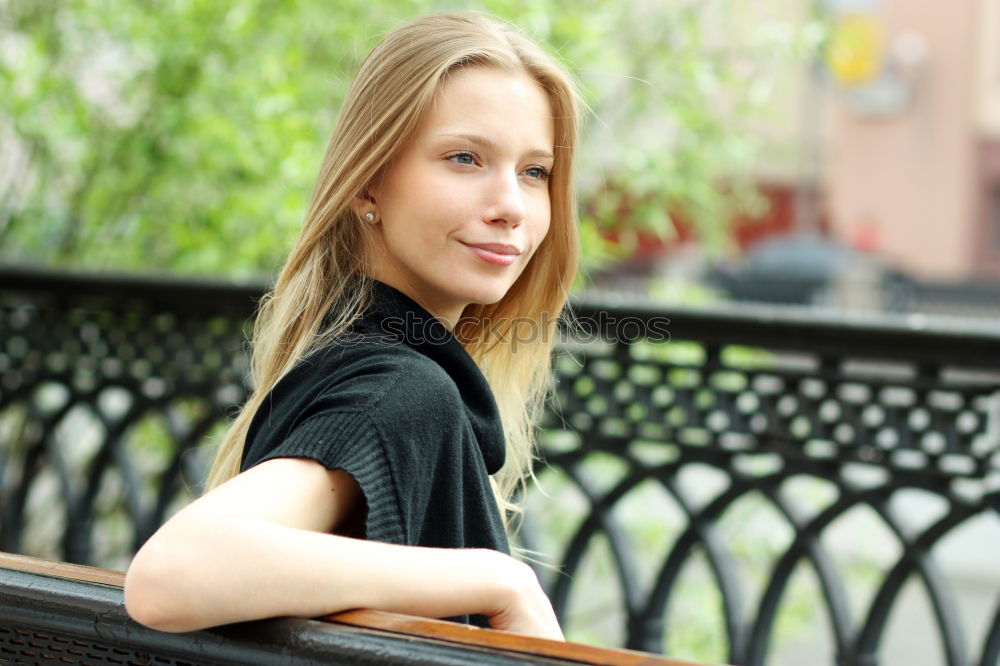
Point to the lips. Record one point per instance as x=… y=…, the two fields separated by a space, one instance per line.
x=498 y=254
x=495 y=248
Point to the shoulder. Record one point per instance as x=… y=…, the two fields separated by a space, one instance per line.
x=405 y=395
x=359 y=391
x=366 y=372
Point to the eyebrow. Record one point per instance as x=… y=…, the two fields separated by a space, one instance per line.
x=489 y=144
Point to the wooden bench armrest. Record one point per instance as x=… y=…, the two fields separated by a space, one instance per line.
x=394 y=624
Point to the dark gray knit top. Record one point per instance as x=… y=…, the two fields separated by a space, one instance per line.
x=399 y=405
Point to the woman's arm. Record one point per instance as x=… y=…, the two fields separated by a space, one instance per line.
x=259 y=546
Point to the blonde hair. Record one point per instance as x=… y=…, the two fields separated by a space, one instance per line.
x=325 y=284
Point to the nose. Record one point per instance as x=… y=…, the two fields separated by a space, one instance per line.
x=505 y=201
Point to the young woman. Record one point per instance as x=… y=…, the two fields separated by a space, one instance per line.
x=395 y=395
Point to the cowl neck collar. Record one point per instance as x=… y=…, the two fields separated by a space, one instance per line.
x=405 y=321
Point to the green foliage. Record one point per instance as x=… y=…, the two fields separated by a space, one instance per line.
x=185 y=135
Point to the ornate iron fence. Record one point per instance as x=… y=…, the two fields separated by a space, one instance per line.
x=661 y=454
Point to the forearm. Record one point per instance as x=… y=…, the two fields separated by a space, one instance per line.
x=197 y=574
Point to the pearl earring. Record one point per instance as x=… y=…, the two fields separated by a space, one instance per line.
x=370 y=216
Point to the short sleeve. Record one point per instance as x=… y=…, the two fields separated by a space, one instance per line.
x=349 y=440
x=395 y=421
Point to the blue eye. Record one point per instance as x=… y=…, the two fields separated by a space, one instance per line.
x=538 y=173
x=463 y=158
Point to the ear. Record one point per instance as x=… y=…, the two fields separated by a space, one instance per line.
x=363 y=202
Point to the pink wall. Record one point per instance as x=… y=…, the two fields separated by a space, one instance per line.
x=912 y=174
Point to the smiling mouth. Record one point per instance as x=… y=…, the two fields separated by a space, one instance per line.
x=497 y=254
x=495 y=248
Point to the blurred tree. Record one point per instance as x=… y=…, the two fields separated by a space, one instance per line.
x=184 y=135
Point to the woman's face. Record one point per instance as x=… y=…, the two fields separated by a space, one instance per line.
x=465 y=205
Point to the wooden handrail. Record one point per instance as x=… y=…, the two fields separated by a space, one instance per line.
x=452 y=632
x=392 y=623
x=62 y=570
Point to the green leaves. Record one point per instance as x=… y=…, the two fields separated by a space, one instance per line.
x=186 y=136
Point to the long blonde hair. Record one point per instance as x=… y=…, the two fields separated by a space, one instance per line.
x=325 y=284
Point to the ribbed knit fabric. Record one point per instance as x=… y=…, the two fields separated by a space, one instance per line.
x=400 y=406
x=350 y=441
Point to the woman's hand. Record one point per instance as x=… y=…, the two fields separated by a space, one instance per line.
x=523 y=606
x=259 y=546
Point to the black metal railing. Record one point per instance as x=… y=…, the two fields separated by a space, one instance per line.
x=661 y=455
x=54 y=614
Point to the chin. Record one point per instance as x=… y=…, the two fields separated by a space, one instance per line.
x=486 y=294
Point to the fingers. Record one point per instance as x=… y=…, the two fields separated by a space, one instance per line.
x=525 y=609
